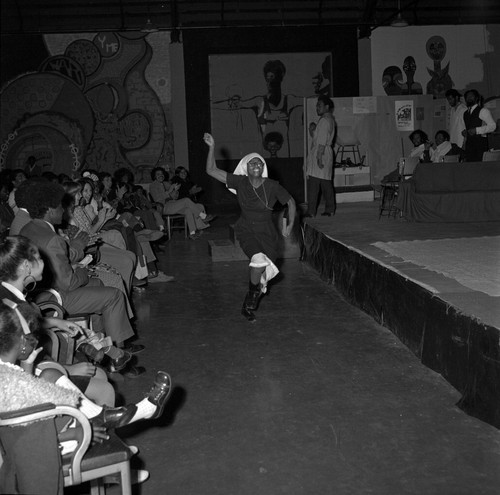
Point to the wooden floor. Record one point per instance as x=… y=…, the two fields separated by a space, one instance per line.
x=356 y=225
x=313 y=398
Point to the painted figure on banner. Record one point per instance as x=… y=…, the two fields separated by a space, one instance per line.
x=410 y=87
x=440 y=81
x=392 y=80
x=273 y=110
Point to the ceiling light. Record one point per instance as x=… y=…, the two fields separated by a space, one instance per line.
x=398 y=21
x=149 y=27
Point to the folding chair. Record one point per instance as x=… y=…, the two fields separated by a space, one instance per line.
x=85 y=463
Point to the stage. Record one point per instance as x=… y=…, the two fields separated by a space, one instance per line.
x=444 y=304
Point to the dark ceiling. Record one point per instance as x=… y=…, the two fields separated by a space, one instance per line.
x=56 y=16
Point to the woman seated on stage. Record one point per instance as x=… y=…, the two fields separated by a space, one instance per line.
x=442 y=147
x=166 y=195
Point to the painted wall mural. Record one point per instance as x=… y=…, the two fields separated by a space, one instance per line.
x=100 y=100
x=257 y=100
x=433 y=59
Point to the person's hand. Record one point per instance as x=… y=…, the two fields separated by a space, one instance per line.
x=287 y=230
x=120 y=191
x=209 y=140
x=81 y=369
x=99 y=434
x=471 y=132
x=320 y=165
x=72 y=329
x=81 y=238
x=32 y=357
x=110 y=213
x=174 y=194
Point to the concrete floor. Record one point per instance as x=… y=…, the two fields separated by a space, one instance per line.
x=313 y=398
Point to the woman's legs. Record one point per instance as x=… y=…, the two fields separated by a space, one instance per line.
x=178 y=207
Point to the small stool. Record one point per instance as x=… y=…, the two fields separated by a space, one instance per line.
x=388 y=199
x=176 y=221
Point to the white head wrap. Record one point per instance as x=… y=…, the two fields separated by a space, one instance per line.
x=241 y=168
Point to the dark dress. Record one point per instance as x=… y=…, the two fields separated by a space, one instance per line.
x=255 y=228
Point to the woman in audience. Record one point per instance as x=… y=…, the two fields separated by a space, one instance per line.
x=187 y=189
x=166 y=195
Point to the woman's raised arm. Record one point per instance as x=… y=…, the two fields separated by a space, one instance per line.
x=212 y=168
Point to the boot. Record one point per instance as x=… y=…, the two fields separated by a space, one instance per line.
x=252 y=298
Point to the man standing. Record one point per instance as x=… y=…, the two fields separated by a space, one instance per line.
x=478 y=124
x=319 y=167
x=457 y=110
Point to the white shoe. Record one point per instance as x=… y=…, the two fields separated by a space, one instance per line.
x=161 y=277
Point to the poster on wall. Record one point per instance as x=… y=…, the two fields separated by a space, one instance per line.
x=405 y=115
x=257 y=101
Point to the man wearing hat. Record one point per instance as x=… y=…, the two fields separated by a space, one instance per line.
x=457 y=109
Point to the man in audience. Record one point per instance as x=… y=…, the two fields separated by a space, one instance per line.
x=478 y=124
x=80 y=293
x=457 y=110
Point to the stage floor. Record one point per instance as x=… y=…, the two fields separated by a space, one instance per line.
x=356 y=225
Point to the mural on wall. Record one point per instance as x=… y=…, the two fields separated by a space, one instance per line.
x=94 y=103
x=463 y=57
x=440 y=78
x=257 y=100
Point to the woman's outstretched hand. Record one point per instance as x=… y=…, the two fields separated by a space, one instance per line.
x=208 y=138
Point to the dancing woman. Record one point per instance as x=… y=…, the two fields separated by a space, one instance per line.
x=255 y=229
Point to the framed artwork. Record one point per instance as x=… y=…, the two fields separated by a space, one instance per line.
x=257 y=101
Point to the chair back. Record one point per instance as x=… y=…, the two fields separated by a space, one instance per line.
x=491 y=156
x=410 y=163
x=451 y=158
x=346 y=136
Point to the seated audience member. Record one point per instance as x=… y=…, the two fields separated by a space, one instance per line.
x=442 y=147
x=80 y=292
x=20 y=269
x=32 y=169
x=420 y=141
x=50 y=176
x=22 y=217
x=478 y=124
x=187 y=189
x=132 y=218
x=113 y=266
x=20 y=388
x=6 y=213
x=18 y=176
x=166 y=195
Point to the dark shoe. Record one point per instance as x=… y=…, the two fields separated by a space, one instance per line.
x=115 y=417
x=119 y=363
x=95 y=355
x=209 y=218
x=133 y=348
x=326 y=214
x=134 y=371
x=159 y=392
x=139 y=283
x=251 y=300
